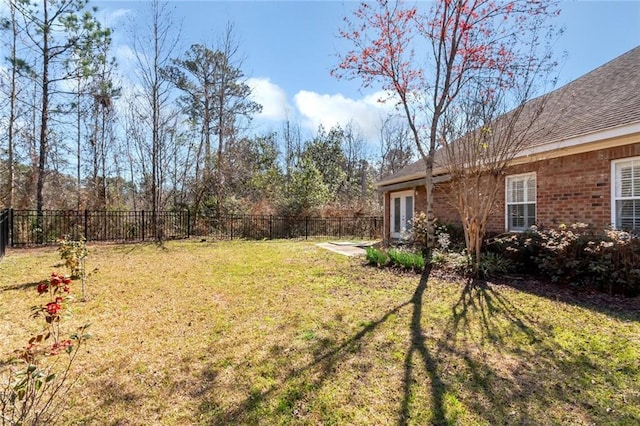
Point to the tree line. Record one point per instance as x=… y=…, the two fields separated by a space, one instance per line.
x=177 y=136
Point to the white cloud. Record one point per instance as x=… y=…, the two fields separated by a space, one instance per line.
x=110 y=18
x=125 y=57
x=329 y=110
x=272 y=98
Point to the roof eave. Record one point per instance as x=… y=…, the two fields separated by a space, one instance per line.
x=399 y=179
x=588 y=141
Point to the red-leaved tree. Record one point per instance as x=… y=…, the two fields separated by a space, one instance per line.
x=428 y=60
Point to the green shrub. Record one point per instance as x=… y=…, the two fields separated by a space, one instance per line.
x=395 y=257
x=376 y=257
x=449 y=236
x=493 y=265
x=578 y=256
x=453 y=234
x=522 y=249
x=439 y=258
x=406 y=260
x=459 y=263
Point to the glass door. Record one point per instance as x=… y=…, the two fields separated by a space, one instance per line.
x=401 y=213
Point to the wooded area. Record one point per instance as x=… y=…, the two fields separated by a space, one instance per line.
x=79 y=136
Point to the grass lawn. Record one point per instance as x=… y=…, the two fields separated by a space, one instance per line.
x=288 y=333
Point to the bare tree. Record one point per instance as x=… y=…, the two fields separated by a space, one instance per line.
x=463 y=38
x=479 y=139
x=55 y=32
x=291 y=148
x=153 y=48
x=395 y=146
x=216 y=99
x=232 y=104
x=103 y=92
x=11 y=25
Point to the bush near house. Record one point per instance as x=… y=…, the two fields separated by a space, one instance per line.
x=449 y=236
x=491 y=264
x=395 y=258
x=376 y=257
x=406 y=260
x=576 y=255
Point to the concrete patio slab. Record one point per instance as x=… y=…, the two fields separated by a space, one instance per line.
x=347 y=248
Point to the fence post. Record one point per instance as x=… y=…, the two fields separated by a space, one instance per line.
x=231 y=227
x=306 y=227
x=270 y=227
x=142 y=225
x=188 y=223
x=86 y=225
x=11 y=225
x=339 y=227
x=371 y=228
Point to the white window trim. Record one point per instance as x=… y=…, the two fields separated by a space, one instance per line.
x=506 y=196
x=613 y=184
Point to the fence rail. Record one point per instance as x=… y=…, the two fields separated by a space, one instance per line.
x=283 y=227
x=27 y=227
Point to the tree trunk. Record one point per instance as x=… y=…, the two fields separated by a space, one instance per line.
x=103 y=158
x=44 y=121
x=219 y=175
x=78 y=148
x=12 y=111
x=429 y=186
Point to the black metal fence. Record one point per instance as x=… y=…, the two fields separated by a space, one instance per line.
x=283 y=227
x=28 y=228
x=5 y=217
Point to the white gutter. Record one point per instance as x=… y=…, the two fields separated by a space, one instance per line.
x=584 y=139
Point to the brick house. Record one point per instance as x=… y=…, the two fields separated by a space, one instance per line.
x=586 y=167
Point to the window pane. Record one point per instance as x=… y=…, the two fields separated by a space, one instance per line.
x=396 y=215
x=531 y=190
x=628 y=177
x=518 y=191
x=627 y=186
x=409 y=212
x=516 y=217
x=627 y=207
x=530 y=218
x=626 y=182
x=521 y=189
x=628 y=214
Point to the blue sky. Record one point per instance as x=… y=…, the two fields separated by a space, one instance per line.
x=290 y=46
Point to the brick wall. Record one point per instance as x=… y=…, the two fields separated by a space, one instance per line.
x=387 y=216
x=570 y=189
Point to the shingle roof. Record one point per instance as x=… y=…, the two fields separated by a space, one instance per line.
x=604 y=98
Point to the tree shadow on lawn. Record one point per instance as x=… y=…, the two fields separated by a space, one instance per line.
x=617 y=306
x=22 y=286
x=509 y=368
x=490 y=362
x=295 y=386
x=419 y=347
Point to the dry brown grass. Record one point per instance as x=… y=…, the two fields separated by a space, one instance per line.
x=285 y=332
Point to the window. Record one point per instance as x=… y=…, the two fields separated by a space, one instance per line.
x=520 y=201
x=625 y=193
